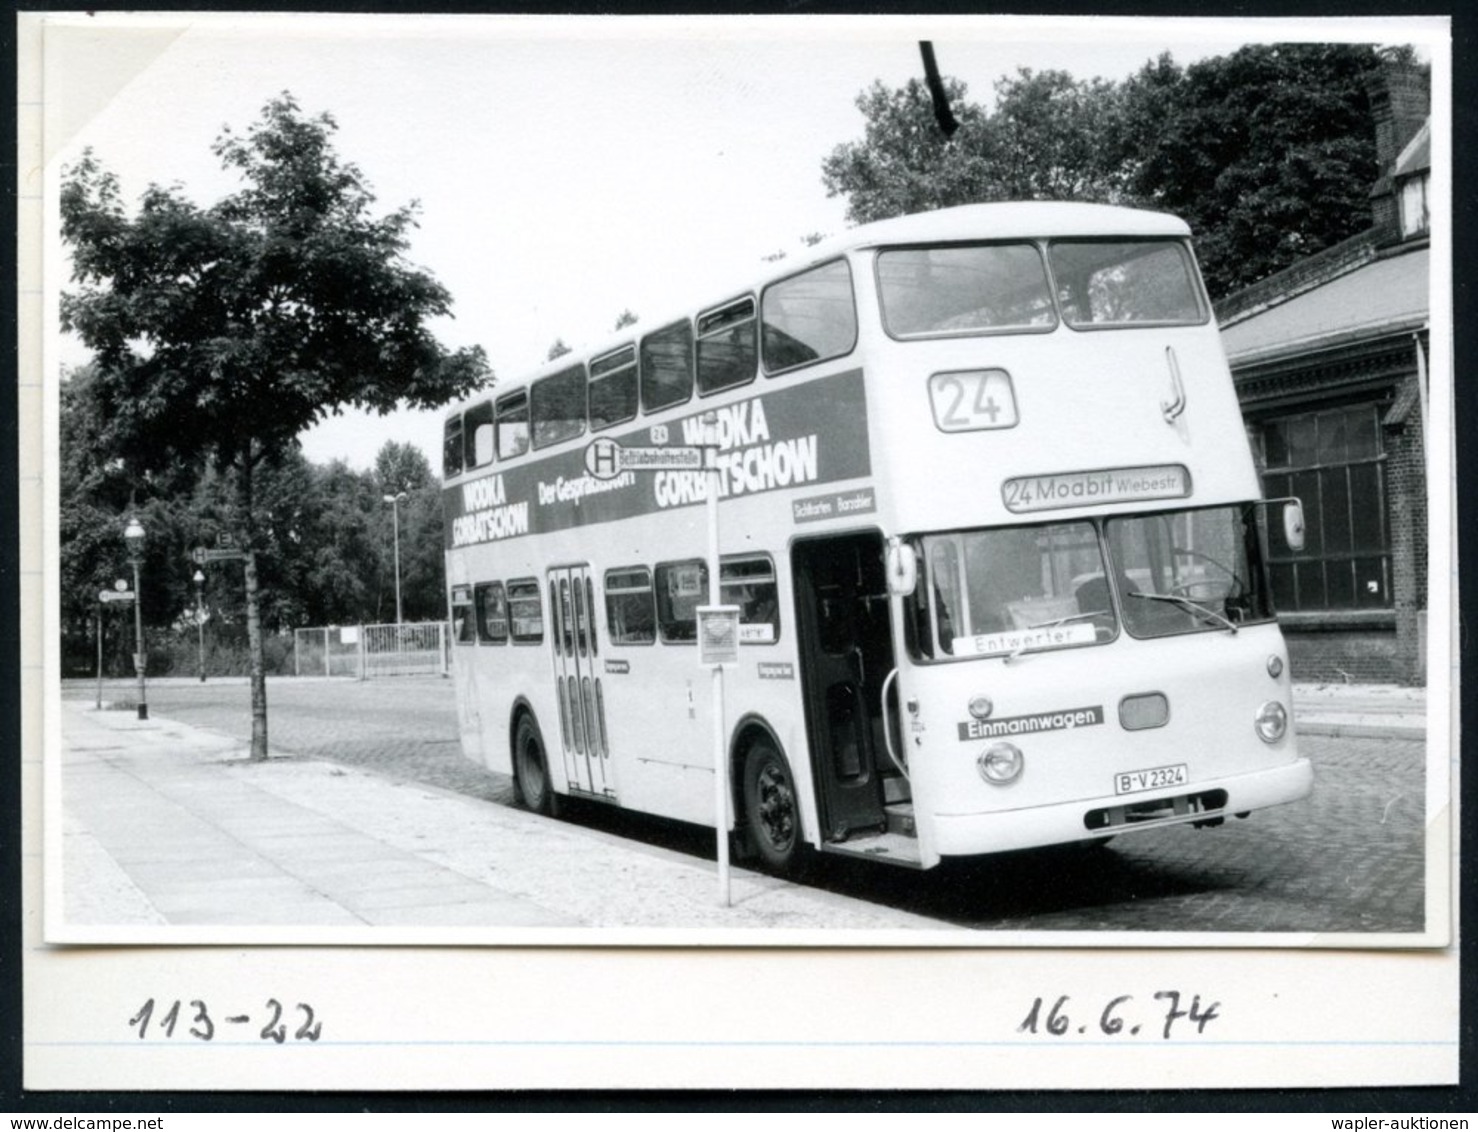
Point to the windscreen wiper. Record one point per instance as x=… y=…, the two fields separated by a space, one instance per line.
x=1190 y=606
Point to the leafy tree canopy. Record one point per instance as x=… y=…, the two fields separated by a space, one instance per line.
x=1268 y=153
x=228 y=330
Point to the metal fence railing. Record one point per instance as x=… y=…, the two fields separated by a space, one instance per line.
x=368 y=651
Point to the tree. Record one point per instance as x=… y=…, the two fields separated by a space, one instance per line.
x=904 y=163
x=1045 y=141
x=1052 y=137
x=1268 y=153
x=402 y=470
x=625 y=319
x=221 y=333
x=558 y=349
x=96 y=491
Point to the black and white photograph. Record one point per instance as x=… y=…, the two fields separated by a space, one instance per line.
x=878 y=484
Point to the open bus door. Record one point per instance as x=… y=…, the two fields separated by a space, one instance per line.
x=846 y=654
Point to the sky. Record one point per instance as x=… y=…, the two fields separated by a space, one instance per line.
x=567 y=169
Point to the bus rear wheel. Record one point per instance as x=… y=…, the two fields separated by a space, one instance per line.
x=771 y=810
x=531 y=771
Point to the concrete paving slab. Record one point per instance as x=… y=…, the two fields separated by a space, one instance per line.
x=200 y=836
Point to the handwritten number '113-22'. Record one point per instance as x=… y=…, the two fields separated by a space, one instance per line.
x=203 y=1028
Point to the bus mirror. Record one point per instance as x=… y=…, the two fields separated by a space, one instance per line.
x=1293 y=524
x=903 y=568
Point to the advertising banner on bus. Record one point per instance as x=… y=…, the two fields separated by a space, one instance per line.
x=782 y=437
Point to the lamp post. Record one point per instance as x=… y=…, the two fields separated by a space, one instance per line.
x=395 y=502
x=200 y=618
x=133 y=538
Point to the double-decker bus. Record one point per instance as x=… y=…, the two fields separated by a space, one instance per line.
x=990 y=518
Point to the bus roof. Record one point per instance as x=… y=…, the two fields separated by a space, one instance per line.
x=1006 y=220
x=997 y=221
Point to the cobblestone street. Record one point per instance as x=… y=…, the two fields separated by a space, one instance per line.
x=1349 y=859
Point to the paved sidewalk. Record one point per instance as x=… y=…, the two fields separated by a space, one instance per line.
x=166 y=824
x=1360 y=711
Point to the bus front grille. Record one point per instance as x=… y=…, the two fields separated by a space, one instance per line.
x=1158 y=810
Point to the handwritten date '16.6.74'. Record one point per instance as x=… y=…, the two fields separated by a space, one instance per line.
x=1121 y=1015
x=195 y=1020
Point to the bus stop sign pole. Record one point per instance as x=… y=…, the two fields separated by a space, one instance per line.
x=720 y=753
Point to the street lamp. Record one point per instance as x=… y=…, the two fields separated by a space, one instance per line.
x=395 y=502
x=133 y=538
x=200 y=618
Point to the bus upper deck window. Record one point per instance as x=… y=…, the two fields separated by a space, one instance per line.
x=964 y=289
x=613 y=394
x=726 y=346
x=667 y=366
x=477 y=435
x=808 y=318
x=559 y=407
x=513 y=425
x=451 y=449
x=1124 y=282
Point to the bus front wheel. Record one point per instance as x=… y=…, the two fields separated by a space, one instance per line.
x=531 y=771
x=771 y=810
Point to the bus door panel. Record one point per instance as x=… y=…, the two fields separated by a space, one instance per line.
x=846 y=654
x=577 y=683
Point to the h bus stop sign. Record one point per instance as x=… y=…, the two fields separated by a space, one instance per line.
x=605 y=459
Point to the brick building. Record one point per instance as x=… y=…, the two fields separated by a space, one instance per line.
x=1329 y=360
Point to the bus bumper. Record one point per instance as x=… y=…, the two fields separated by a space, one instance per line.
x=996 y=831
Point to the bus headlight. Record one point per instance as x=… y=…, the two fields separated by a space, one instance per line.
x=1275 y=666
x=1000 y=763
x=1271 y=721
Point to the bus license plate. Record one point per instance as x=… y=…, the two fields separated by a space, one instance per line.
x=1153 y=778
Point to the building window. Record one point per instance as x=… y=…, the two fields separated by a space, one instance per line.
x=1332 y=461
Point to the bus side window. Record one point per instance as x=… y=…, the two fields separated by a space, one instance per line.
x=613 y=390
x=451 y=448
x=477 y=435
x=667 y=366
x=525 y=617
x=630 y=614
x=726 y=346
x=513 y=425
x=749 y=583
x=681 y=588
x=464 y=629
x=492 y=613
x=559 y=406
x=808 y=318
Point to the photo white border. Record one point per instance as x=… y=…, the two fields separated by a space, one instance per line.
x=1403 y=1031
